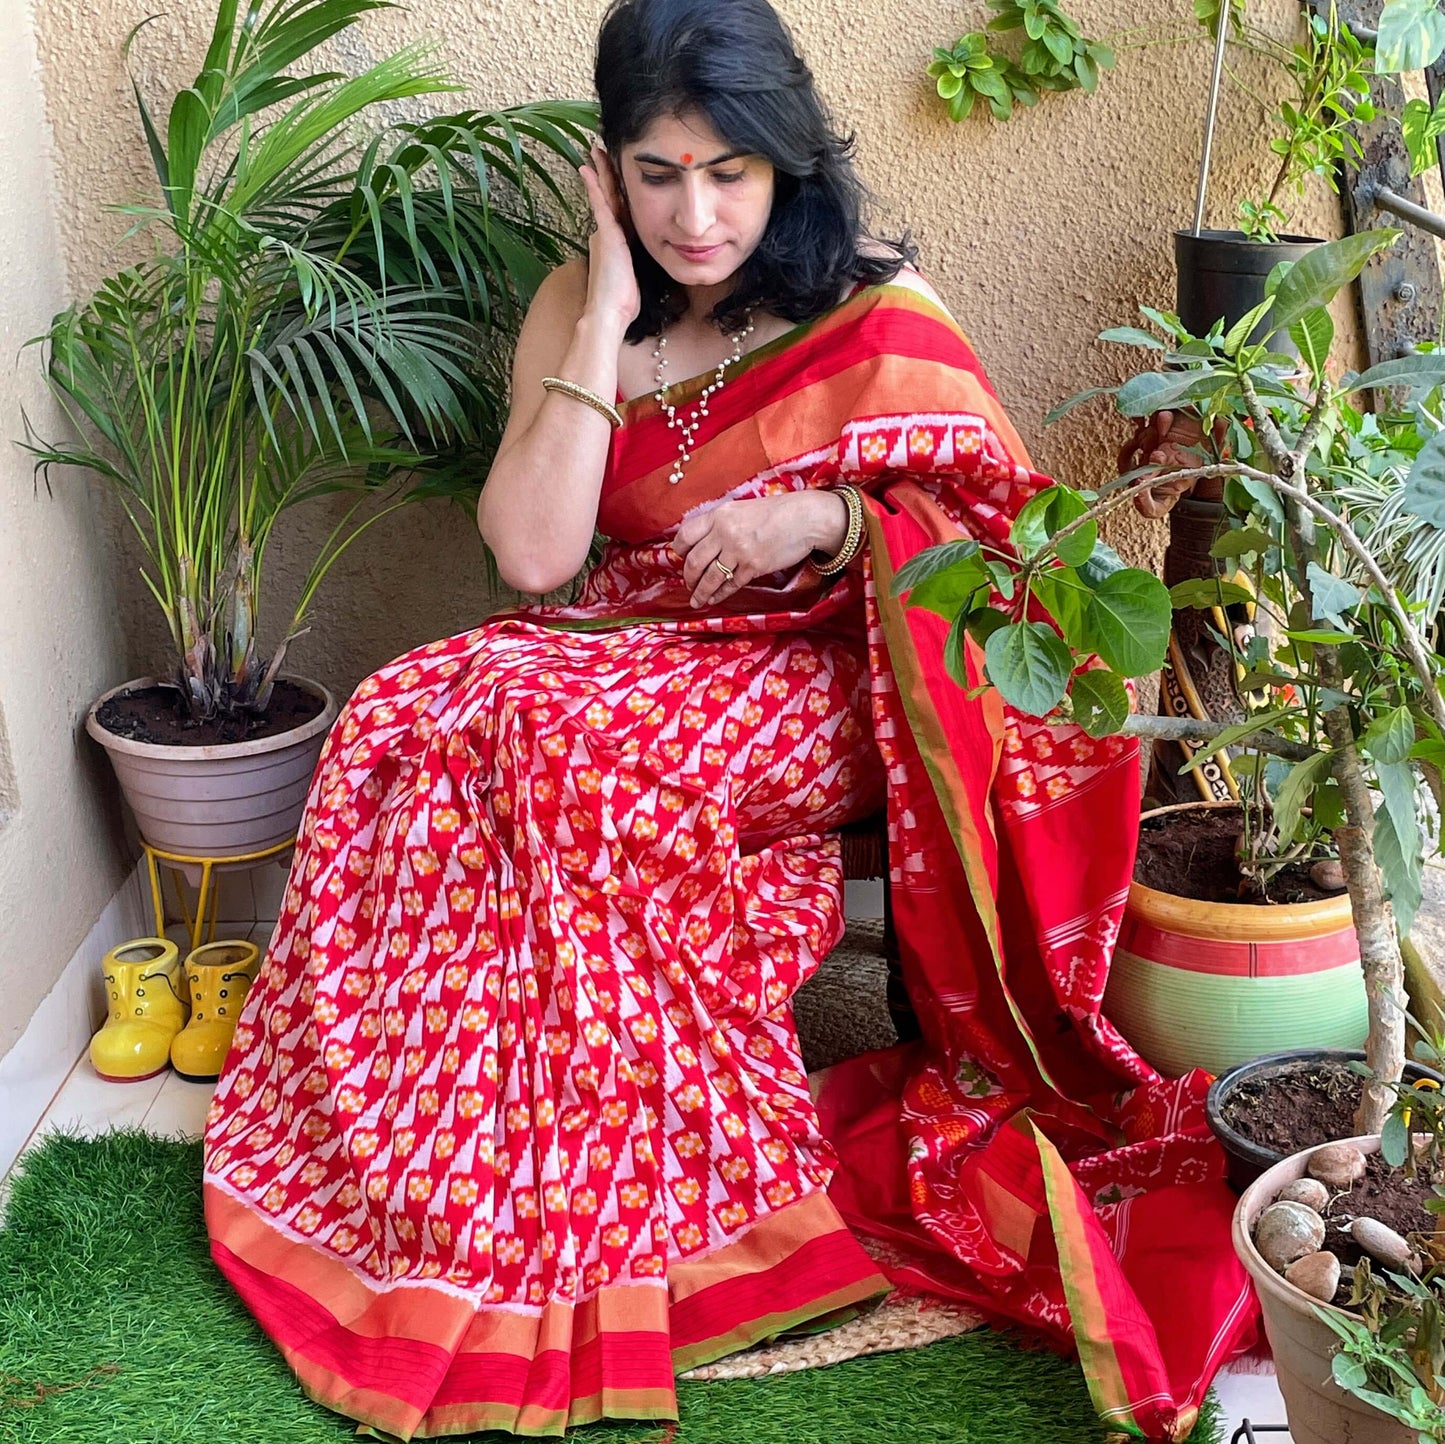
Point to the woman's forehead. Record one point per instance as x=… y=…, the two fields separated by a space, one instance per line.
x=688 y=132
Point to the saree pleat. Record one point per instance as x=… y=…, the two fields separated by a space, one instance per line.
x=514 y=1126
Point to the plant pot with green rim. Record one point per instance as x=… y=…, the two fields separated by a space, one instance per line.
x=219 y=800
x=1319 y=1411
x=1199 y=984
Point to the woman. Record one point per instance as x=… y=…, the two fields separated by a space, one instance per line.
x=515 y=1125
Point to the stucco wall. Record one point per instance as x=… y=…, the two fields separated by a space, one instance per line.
x=1040 y=232
x=60 y=639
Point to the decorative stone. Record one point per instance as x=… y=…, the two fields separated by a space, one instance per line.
x=1382 y=1243
x=1286 y=1232
x=1337 y=1165
x=1328 y=874
x=1308 y=1191
x=1318 y=1274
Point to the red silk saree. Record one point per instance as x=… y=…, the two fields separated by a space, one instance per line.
x=514 y=1126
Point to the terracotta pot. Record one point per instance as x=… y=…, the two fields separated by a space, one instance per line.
x=222 y=800
x=1209 y=985
x=1320 y=1412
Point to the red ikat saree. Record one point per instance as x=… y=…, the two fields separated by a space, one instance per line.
x=514 y=1124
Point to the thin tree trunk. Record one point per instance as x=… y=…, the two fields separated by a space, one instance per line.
x=1374 y=918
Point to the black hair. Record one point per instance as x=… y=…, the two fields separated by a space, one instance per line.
x=734 y=61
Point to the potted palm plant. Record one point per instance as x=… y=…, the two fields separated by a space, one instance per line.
x=326 y=311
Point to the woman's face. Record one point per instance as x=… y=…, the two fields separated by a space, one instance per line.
x=699 y=207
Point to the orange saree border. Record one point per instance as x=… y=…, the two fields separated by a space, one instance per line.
x=417 y=1360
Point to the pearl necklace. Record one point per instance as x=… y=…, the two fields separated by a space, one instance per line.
x=690 y=425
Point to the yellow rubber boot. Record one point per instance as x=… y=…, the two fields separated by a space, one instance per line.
x=146 y=989
x=220 y=975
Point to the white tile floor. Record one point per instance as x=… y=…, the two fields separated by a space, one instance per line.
x=171 y=1108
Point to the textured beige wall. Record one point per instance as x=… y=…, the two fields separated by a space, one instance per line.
x=60 y=640
x=1040 y=232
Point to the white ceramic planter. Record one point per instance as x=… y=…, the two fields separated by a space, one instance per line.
x=222 y=800
x=1320 y=1412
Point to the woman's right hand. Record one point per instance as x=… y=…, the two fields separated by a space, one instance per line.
x=612 y=290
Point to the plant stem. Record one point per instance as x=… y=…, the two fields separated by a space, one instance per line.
x=1187 y=729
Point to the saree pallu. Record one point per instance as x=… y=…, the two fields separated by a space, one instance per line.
x=514 y=1125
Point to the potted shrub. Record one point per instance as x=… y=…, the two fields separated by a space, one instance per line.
x=1347 y=726
x=323 y=311
x=1346 y=732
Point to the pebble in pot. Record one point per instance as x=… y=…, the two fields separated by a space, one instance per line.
x=1337 y=1165
x=1318 y=1274
x=1308 y=1191
x=1286 y=1232
x=1383 y=1244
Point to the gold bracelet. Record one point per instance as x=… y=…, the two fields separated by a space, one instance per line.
x=852 y=541
x=586 y=397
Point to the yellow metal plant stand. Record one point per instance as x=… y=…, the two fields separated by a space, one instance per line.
x=206 y=893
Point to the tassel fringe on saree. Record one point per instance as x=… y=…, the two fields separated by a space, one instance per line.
x=514 y=1126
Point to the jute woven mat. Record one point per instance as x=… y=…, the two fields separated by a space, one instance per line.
x=842 y=1011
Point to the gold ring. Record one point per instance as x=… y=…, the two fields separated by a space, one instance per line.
x=725 y=570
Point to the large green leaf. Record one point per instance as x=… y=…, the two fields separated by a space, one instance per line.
x=1399 y=861
x=1424 y=492
x=1153 y=391
x=1423 y=370
x=1390 y=738
x=1313 y=279
x=1411 y=36
x=1313 y=335
x=1295 y=792
x=1332 y=595
x=1127 y=620
x=1030 y=665
x=1047 y=513
x=930 y=561
x=1101 y=702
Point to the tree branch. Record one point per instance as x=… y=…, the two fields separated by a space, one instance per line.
x=1189 y=729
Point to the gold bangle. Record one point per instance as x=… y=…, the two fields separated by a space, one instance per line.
x=586 y=397
x=852 y=541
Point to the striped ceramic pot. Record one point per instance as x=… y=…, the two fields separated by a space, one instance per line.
x=1209 y=985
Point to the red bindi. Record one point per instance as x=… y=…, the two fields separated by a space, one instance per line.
x=686 y=159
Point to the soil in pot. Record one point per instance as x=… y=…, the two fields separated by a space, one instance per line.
x=1291 y=1108
x=156 y=714
x=1387 y=1195
x=1192 y=855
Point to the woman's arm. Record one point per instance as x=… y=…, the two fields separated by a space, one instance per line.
x=538 y=509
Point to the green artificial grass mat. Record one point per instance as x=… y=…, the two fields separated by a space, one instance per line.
x=115 y=1328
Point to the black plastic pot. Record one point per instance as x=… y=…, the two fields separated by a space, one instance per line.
x=1222 y=274
x=1248 y=1160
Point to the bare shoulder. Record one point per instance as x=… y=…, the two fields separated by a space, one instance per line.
x=561 y=298
x=909 y=276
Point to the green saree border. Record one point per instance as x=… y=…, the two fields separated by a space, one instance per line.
x=948 y=784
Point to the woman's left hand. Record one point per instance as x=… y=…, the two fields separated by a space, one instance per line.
x=754 y=538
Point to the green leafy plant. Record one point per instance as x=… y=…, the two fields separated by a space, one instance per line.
x=1411 y=36
x=1054 y=56
x=326 y=309
x=1392 y=1347
x=1330 y=74
x=1345 y=735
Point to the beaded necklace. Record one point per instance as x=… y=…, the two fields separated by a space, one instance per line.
x=690 y=425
